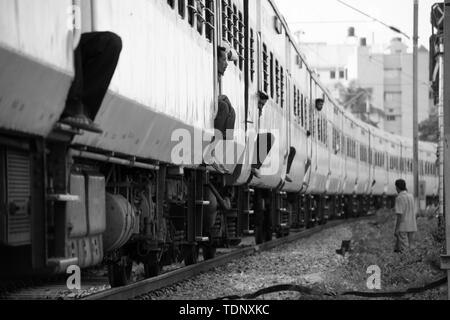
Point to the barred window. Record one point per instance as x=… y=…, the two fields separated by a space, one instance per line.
x=230 y=23
x=241 y=28
x=200 y=13
x=295 y=103
x=336 y=141
x=319 y=129
x=277 y=81
x=192 y=9
x=182 y=8
x=225 y=20
x=271 y=76
x=302 y=111
x=282 y=86
x=266 y=73
x=210 y=20
x=235 y=28
x=252 y=55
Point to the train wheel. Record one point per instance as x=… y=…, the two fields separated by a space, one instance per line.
x=119 y=274
x=152 y=270
x=268 y=235
x=191 y=256
x=152 y=267
x=209 y=252
x=259 y=235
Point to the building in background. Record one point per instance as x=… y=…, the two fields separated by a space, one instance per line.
x=374 y=83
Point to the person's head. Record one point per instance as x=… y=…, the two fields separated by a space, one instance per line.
x=222 y=60
x=400 y=185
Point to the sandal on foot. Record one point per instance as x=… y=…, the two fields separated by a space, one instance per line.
x=82 y=122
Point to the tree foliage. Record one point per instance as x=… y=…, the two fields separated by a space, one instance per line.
x=355 y=99
x=429 y=129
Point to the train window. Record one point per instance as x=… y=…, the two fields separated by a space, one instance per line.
x=235 y=27
x=302 y=110
x=210 y=20
x=241 y=40
x=319 y=129
x=282 y=86
x=171 y=3
x=182 y=8
x=191 y=12
x=312 y=123
x=343 y=145
x=230 y=24
x=271 y=76
x=224 y=20
x=266 y=73
x=200 y=13
x=295 y=103
x=362 y=153
x=252 y=55
x=277 y=81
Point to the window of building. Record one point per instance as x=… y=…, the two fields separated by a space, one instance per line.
x=332 y=74
x=391 y=118
x=341 y=74
x=392 y=74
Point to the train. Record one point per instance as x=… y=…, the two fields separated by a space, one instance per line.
x=70 y=197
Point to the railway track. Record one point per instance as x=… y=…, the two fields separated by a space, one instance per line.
x=168 y=279
x=95 y=287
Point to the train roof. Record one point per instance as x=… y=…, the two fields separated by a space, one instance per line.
x=383 y=134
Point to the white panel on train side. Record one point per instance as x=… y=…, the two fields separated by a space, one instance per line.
x=36 y=63
x=38 y=29
x=165 y=64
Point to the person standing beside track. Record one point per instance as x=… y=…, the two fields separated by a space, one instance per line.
x=406 y=225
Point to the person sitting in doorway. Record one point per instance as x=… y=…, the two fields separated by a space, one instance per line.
x=226 y=116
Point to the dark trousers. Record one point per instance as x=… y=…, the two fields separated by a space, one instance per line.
x=226 y=118
x=95 y=59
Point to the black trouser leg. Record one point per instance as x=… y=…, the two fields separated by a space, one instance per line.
x=225 y=120
x=75 y=96
x=96 y=59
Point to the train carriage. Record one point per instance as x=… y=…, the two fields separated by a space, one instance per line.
x=131 y=195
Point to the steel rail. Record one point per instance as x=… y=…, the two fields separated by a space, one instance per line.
x=146 y=286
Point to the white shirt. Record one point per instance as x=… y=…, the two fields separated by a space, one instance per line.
x=404 y=206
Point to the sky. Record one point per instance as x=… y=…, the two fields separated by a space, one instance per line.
x=317 y=20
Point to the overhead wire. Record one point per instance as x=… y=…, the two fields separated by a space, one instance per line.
x=375 y=19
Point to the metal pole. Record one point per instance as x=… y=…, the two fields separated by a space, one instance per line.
x=440 y=108
x=446 y=137
x=415 y=103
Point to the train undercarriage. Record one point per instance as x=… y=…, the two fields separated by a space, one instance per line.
x=66 y=205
